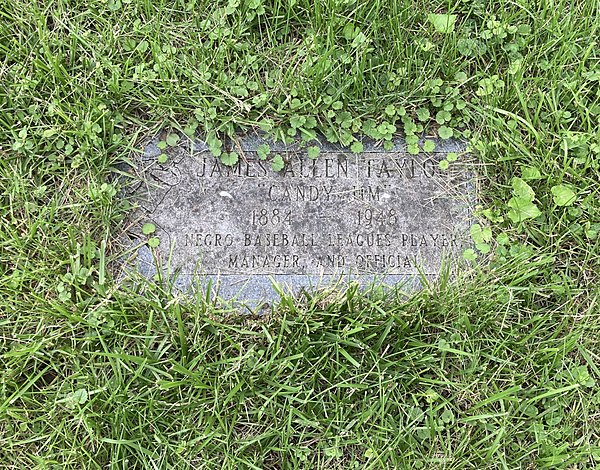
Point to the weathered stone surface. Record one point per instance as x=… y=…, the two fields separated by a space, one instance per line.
x=383 y=214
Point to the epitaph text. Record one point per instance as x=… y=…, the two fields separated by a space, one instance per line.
x=379 y=212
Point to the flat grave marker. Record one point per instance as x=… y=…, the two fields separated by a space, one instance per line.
x=379 y=215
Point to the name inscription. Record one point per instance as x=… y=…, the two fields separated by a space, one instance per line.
x=375 y=213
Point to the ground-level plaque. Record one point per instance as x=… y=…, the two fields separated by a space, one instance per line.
x=382 y=214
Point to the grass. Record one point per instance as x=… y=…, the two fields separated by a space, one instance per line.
x=496 y=369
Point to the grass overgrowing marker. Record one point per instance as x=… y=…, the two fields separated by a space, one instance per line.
x=499 y=370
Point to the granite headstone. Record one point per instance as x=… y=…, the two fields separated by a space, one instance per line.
x=382 y=215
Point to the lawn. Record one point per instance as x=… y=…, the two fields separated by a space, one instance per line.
x=498 y=367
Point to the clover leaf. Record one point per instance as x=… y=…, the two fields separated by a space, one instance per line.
x=563 y=195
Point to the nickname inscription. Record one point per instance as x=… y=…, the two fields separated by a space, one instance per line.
x=379 y=212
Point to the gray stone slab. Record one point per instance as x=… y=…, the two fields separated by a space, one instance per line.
x=383 y=215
